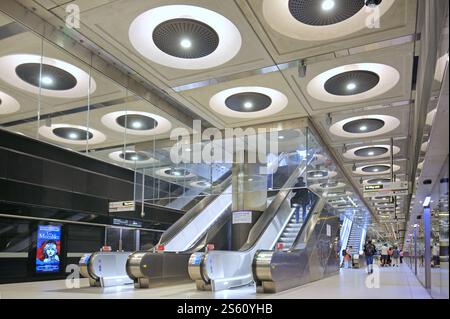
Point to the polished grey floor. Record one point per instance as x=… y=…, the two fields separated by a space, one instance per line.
x=388 y=283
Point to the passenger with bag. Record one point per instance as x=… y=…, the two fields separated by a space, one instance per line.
x=300 y=199
x=369 y=252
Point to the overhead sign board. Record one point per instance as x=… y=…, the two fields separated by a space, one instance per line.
x=126 y=206
x=386 y=189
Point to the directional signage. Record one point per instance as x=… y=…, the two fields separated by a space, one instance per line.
x=386 y=189
x=126 y=206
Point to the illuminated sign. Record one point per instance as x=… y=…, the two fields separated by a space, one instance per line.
x=48 y=249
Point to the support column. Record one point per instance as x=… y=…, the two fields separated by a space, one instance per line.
x=249 y=200
x=427 y=235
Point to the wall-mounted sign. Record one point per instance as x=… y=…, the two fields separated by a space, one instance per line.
x=386 y=189
x=126 y=206
x=48 y=248
x=328 y=230
x=242 y=217
x=126 y=222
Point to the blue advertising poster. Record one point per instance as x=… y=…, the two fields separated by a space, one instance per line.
x=48 y=248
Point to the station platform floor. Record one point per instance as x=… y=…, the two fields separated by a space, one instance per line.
x=392 y=283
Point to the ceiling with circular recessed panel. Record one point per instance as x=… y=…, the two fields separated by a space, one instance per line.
x=175 y=172
x=378 y=181
x=375 y=151
x=351 y=82
x=52 y=78
x=371 y=151
x=132 y=157
x=325 y=12
x=59 y=78
x=136 y=122
x=248 y=102
x=200 y=184
x=185 y=37
x=374 y=169
x=365 y=126
x=8 y=104
x=318 y=20
x=72 y=134
x=320 y=174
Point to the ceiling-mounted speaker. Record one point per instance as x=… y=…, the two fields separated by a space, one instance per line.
x=301 y=69
x=329 y=119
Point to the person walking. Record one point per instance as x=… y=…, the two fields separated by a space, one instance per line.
x=435 y=252
x=384 y=255
x=348 y=258
x=300 y=199
x=369 y=252
x=401 y=256
x=390 y=256
x=395 y=257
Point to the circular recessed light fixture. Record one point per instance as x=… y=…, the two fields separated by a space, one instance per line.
x=8 y=104
x=72 y=134
x=136 y=123
x=200 y=184
x=175 y=172
x=248 y=102
x=353 y=82
x=370 y=151
x=328 y=185
x=364 y=126
x=320 y=174
x=377 y=181
x=132 y=157
x=53 y=78
x=185 y=37
x=373 y=169
x=318 y=20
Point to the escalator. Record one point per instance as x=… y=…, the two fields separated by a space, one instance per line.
x=216 y=270
x=314 y=254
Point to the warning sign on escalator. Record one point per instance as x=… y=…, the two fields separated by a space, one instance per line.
x=242 y=217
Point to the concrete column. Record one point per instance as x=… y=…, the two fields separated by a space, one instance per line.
x=249 y=198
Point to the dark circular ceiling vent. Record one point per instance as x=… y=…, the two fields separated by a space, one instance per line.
x=72 y=133
x=324 y=12
x=177 y=172
x=351 y=82
x=248 y=102
x=136 y=122
x=185 y=38
x=53 y=78
x=363 y=125
x=371 y=151
x=134 y=156
x=317 y=174
x=378 y=180
x=375 y=168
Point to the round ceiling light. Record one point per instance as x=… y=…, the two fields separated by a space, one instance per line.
x=200 y=184
x=136 y=123
x=185 y=37
x=8 y=104
x=324 y=12
x=364 y=126
x=353 y=82
x=72 y=134
x=318 y=20
x=328 y=185
x=175 y=172
x=378 y=181
x=320 y=174
x=373 y=169
x=131 y=157
x=370 y=151
x=248 y=102
x=53 y=78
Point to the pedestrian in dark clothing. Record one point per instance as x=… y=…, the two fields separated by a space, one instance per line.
x=369 y=251
x=300 y=198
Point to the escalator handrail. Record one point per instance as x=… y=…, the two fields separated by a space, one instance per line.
x=264 y=221
x=191 y=214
